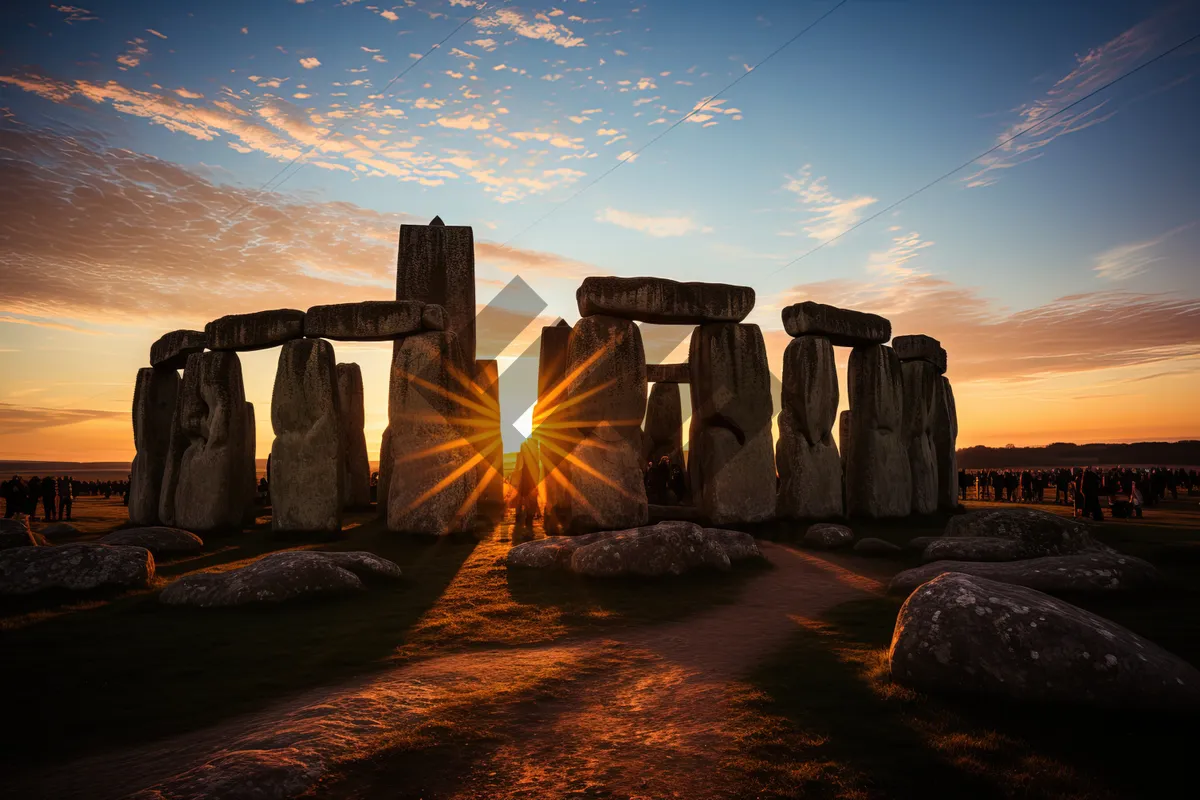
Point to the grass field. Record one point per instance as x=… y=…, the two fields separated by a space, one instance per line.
x=818 y=717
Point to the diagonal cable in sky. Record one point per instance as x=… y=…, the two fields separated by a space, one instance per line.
x=347 y=118
x=635 y=153
x=987 y=152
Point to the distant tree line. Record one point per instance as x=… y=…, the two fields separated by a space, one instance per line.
x=1068 y=454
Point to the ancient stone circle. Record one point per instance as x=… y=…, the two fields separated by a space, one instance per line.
x=441 y=456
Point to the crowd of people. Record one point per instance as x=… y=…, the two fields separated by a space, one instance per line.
x=55 y=494
x=1126 y=489
x=666 y=482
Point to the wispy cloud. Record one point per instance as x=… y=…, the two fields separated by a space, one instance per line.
x=895 y=260
x=544 y=29
x=74 y=14
x=19 y=419
x=651 y=225
x=1092 y=70
x=831 y=215
x=1128 y=260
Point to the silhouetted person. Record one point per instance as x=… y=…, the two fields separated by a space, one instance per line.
x=66 y=493
x=1090 y=483
x=49 y=508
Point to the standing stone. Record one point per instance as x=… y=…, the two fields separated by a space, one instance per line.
x=663 y=434
x=251 y=466
x=664 y=301
x=436 y=264
x=731 y=459
x=307 y=466
x=432 y=478
x=356 y=487
x=210 y=493
x=552 y=440
x=844 y=450
x=154 y=398
x=606 y=393
x=945 y=440
x=384 y=483
x=921 y=385
x=177 y=444
x=921 y=348
x=878 y=481
x=487 y=437
x=810 y=469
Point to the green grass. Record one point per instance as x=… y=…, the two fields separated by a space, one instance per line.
x=123 y=669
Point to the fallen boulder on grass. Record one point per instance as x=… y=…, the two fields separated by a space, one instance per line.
x=827 y=536
x=1088 y=572
x=965 y=634
x=1040 y=533
x=74 y=567
x=158 y=539
x=668 y=548
x=15 y=532
x=972 y=548
x=278 y=577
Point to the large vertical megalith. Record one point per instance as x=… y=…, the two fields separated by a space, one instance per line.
x=307 y=470
x=154 y=397
x=210 y=490
x=383 y=485
x=436 y=264
x=663 y=431
x=356 y=484
x=945 y=440
x=878 y=482
x=844 y=449
x=605 y=404
x=731 y=460
x=432 y=478
x=921 y=384
x=810 y=469
x=552 y=440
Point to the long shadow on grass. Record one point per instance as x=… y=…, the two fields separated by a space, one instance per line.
x=132 y=670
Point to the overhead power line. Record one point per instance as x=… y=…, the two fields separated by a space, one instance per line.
x=987 y=152
x=321 y=140
x=635 y=153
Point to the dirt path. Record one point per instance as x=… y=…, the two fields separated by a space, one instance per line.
x=645 y=712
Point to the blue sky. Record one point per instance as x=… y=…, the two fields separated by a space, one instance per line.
x=527 y=104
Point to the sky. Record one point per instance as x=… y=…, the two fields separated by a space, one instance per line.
x=164 y=164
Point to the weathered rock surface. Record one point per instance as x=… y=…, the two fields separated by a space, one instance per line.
x=876 y=548
x=372 y=320
x=1039 y=532
x=256 y=331
x=664 y=425
x=920 y=543
x=921 y=348
x=74 y=567
x=159 y=540
x=664 y=301
x=843 y=327
x=383 y=484
x=435 y=264
x=268 y=774
x=731 y=462
x=607 y=402
x=810 y=468
x=964 y=634
x=172 y=349
x=487 y=442
x=278 y=577
x=17 y=533
x=547 y=415
x=431 y=477
x=154 y=397
x=945 y=442
x=668 y=548
x=210 y=493
x=878 y=480
x=1088 y=573
x=250 y=470
x=177 y=444
x=669 y=373
x=972 y=548
x=356 y=470
x=921 y=385
x=307 y=466
x=828 y=536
